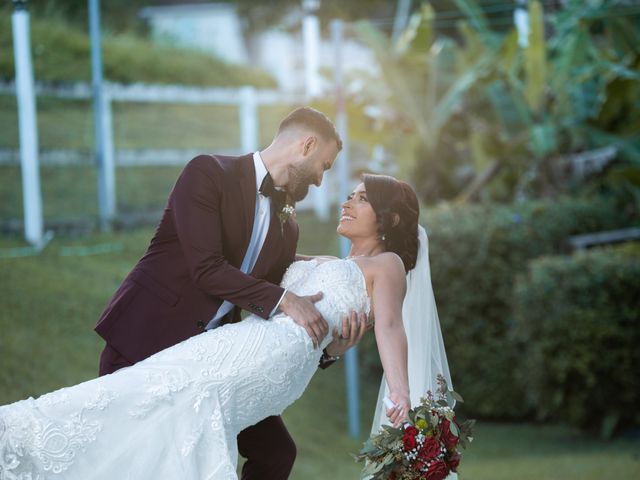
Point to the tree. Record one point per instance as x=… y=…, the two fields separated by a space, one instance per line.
x=491 y=119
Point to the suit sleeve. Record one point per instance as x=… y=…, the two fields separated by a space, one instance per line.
x=195 y=206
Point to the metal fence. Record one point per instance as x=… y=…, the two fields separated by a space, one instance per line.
x=221 y=120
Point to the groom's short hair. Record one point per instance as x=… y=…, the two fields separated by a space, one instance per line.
x=314 y=120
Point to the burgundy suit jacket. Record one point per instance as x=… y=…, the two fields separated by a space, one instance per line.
x=193 y=261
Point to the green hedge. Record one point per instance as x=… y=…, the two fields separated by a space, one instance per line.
x=475 y=254
x=61 y=53
x=578 y=327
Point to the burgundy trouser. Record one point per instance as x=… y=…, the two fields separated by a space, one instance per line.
x=267 y=445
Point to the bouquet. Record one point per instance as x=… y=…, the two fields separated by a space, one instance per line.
x=425 y=447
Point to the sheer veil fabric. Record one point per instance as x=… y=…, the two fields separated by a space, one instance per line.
x=426 y=354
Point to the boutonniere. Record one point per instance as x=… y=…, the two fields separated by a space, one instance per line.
x=285 y=212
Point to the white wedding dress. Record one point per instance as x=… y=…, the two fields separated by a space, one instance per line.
x=176 y=414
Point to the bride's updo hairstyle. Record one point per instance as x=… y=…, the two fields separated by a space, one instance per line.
x=397 y=211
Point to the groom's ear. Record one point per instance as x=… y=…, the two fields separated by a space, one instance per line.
x=309 y=144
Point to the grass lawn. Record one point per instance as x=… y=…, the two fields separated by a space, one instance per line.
x=70 y=191
x=68 y=124
x=50 y=303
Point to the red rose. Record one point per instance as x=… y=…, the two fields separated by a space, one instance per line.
x=437 y=471
x=409 y=441
x=454 y=461
x=449 y=439
x=392 y=476
x=430 y=449
x=411 y=430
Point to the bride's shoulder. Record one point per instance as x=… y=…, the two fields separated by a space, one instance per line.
x=389 y=263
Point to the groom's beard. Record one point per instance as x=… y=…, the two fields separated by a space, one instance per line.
x=299 y=180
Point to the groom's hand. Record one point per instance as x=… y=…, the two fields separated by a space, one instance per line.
x=353 y=329
x=303 y=311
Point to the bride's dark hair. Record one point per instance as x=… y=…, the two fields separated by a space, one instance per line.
x=397 y=211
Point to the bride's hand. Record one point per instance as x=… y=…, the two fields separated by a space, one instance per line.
x=353 y=329
x=399 y=412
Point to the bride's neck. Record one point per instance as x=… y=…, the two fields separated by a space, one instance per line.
x=366 y=248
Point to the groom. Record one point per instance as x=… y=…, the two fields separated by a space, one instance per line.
x=223 y=244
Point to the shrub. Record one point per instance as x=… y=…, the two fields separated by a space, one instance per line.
x=475 y=254
x=577 y=324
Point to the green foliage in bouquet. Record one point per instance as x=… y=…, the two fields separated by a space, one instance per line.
x=425 y=447
x=578 y=325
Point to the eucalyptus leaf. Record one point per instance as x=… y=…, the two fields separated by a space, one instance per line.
x=457 y=396
x=388 y=429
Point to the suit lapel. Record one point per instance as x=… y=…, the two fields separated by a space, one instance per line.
x=274 y=243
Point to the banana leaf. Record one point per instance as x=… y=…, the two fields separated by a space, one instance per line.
x=535 y=61
x=478 y=20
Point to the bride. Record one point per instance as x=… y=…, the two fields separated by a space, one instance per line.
x=177 y=413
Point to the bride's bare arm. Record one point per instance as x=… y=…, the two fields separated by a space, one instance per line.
x=388 y=290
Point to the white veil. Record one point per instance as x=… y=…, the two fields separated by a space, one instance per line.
x=426 y=355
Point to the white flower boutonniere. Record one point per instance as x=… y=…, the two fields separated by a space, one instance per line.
x=285 y=212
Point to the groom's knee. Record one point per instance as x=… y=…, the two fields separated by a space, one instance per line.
x=288 y=452
x=282 y=451
x=269 y=449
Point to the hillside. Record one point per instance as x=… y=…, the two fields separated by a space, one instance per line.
x=61 y=53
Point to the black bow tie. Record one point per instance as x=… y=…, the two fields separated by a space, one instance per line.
x=268 y=189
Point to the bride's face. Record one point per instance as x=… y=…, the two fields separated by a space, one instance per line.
x=358 y=219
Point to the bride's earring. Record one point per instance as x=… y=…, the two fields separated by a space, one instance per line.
x=383 y=237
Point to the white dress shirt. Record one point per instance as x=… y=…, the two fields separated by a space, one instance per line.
x=258 y=235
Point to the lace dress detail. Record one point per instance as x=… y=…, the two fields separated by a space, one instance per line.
x=177 y=413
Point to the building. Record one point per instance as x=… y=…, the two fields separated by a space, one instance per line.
x=214 y=28
x=217 y=29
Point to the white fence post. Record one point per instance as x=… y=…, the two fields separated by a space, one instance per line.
x=321 y=200
x=311 y=45
x=108 y=154
x=344 y=173
x=102 y=119
x=248 y=119
x=521 y=21
x=401 y=18
x=32 y=198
